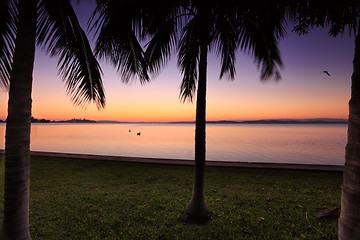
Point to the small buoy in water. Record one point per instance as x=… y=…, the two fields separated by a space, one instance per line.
x=139 y=133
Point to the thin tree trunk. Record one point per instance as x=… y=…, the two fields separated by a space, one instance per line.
x=349 y=221
x=17 y=140
x=197 y=209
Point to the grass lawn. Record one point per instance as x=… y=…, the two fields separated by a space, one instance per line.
x=85 y=199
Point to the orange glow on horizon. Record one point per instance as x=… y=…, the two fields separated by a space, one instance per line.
x=304 y=91
x=171 y=109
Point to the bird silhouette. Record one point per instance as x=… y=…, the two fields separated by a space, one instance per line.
x=326 y=72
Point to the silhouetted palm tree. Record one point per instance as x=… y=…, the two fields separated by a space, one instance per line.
x=349 y=221
x=340 y=16
x=56 y=27
x=194 y=27
x=225 y=26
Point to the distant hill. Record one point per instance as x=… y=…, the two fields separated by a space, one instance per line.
x=299 y=121
x=35 y=120
x=112 y=121
x=74 y=120
x=261 y=121
x=223 y=122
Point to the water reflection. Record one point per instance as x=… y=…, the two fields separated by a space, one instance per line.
x=287 y=143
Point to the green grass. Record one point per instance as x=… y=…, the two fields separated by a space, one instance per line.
x=84 y=199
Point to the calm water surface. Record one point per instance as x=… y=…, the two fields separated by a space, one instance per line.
x=278 y=143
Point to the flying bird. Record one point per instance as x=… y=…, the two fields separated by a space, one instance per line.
x=326 y=72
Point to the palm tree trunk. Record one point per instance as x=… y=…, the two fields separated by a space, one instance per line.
x=17 y=140
x=197 y=210
x=349 y=221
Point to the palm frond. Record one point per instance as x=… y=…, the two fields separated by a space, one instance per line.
x=226 y=45
x=188 y=59
x=59 y=32
x=8 y=20
x=259 y=36
x=158 y=50
x=117 y=40
x=304 y=15
x=342 y=14
x=337 y=15
x=154 y=17
x=162 y=25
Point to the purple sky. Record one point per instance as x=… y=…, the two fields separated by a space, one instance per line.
x=303 y=92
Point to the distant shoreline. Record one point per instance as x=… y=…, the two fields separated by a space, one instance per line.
x=265 y=121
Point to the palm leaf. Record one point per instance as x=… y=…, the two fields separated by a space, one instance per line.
x=226 y=45
x=332 y=13
x=341 y=14
x=162 y=25
x=8 y=19
x=259 y=34
x=188 y=59
x=117 y=39
x=59 y=32
x=158 y=50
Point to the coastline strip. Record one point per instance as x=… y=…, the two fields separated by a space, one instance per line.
x=288 y=166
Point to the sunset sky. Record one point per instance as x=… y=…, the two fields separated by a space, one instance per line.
x=304 y=91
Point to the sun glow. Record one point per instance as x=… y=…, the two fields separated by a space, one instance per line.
x=304 y=91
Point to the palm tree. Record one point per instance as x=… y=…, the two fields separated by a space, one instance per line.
x=338 y=15
x=349 y=221
x=55 y=25
x=224 y=26
x=342 y=15
x=253 y=26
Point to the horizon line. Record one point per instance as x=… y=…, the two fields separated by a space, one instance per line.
x=284 y=120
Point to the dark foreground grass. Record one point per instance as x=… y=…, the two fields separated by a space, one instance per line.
x=80 y=199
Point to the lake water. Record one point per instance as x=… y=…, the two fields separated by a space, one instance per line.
x=277 y=143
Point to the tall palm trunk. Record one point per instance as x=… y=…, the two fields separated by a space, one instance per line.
x=197 y=209
x=17 y=140
x=349 y=221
